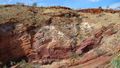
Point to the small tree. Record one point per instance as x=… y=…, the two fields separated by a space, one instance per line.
x=108 y=7
x=34 y=4
x=18 y=3
x=100 y=7
x=118 y=7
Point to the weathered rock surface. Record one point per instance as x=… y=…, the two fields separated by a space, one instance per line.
x=58 y=37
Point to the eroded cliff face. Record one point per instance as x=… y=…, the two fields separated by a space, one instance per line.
x=58 y=37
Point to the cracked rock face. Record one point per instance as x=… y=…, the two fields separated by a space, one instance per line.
x=55 y=38
x=51 y=44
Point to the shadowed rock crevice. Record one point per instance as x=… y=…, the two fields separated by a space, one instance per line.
x=11 y=44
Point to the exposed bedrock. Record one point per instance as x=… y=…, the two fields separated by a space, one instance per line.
x=55 y=38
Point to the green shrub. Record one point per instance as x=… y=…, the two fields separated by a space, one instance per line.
x=116 y=62
x=67 y=15
x=24 y=64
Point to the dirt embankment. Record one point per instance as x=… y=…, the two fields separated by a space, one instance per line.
x=97 y=11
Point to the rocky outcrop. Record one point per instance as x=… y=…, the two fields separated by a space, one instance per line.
x=57 y=39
